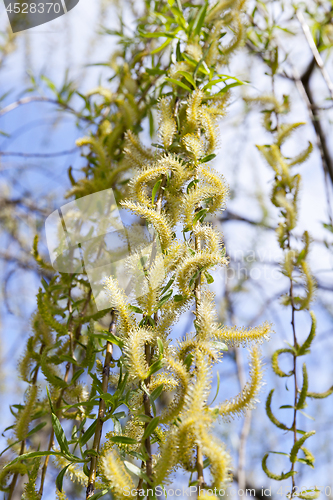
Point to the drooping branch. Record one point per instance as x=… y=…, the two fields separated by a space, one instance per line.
x=101 y=410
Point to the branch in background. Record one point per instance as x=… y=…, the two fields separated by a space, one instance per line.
x=39 y=155
x=315 y=51
x=27 y=100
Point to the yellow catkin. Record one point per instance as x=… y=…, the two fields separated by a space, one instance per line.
x=193 y=108
x=22 y=423
x=206 y=317
x=160 y=221
x=136 y=153
x=192 y=264
x=198 y=392
x=182 y=376
x=220 y=460
x=194 y=146
x=118 y=301
x=209 y=125
x=116 y=475
x=247 y=398
x=168 y=127
x=167 y=460
x=236 y=337
x=134 y=352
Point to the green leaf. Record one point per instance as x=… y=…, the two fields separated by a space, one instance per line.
x=60 y=477
x=155 y=190
x=77 y=375
x=108 y=398
x=36 y=429
x=167 y=286
x=200 y=215
x=329 y=227
x=156 y=392
x=34 y=454
x=155 y=367
x=178 y=298
x=188 y=77
x=144 y=418
x=163 y=300
x=8 y=447
x=135 y=309
x=217 y=388
x=160 y=345
x=209 y=278
x=177 y=82
x=135 y=470
x=69 y=359
x=151 y=427
x=200 y=18
x=158 y=49
x=151 y=124
x=306 y=415
x=157 y=35
x=88 y=434
x=231 y=85
x=208 y=158
x=50 y=400
x=123 y=440
x=60 y=435
x=219 y=345
x=192 y=184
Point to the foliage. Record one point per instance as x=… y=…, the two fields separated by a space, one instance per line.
x=169 y=185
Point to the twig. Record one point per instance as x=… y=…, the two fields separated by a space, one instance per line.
x=14 y=480
x=303 y=87
x=241 y=476
x=13 y=483
x=58 y=403
x=315 y=51
x=294 y=424
x=149 y=352
x=27 y=100
x=39 y=155
x=197 y=294
x=101 y=411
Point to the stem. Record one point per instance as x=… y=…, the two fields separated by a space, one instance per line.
x=241 y=475
x=58 y=403
x=294 y=426
x=315 y=52
x=149 y=352
x=13 y=483
x=101 y=411
x=146 y=404
x=51 y=440
x=197 y=294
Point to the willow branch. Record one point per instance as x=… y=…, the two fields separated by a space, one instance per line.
x=294 y=424
x=315 y=52
x=246 y=426
x=14 y=480
x=59 y=400
x=197 y=294
x=149 y=354
x=28 y=100
x=101 y=410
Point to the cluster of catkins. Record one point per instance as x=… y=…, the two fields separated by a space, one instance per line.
x=188 y=189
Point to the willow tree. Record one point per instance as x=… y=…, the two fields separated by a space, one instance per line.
x=155 y=395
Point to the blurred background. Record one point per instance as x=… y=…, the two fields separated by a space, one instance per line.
x=37 y=147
